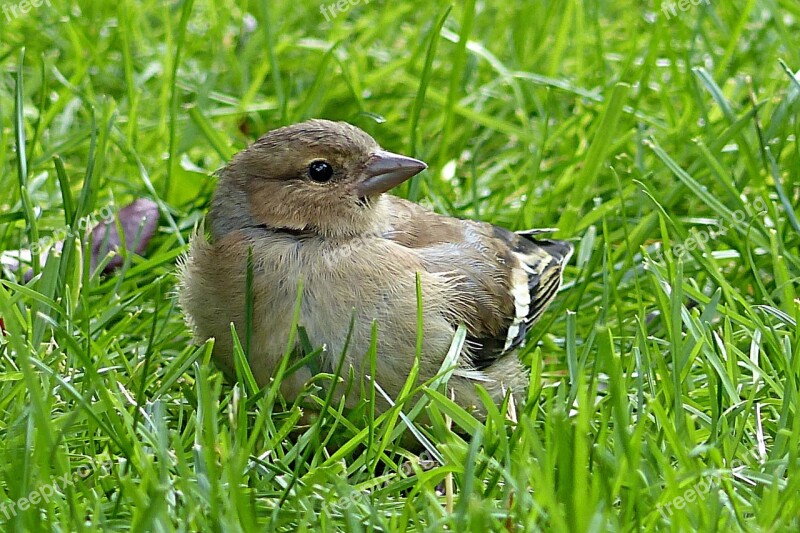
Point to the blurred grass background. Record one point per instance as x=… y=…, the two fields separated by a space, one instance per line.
x=665 y=376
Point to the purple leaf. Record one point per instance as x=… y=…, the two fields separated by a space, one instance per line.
x=105 y=237
x=142 y=213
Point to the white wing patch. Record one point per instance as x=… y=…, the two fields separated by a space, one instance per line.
x=522 y=298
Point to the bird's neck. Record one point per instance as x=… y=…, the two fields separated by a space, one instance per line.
x=230 y=212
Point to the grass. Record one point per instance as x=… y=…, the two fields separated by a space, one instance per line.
x=664 y=379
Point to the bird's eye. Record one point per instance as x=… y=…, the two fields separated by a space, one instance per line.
x=320 y=171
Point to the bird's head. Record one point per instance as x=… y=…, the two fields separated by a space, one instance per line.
x=320 y=176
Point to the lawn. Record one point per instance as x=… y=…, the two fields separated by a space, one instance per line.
x=663 y=140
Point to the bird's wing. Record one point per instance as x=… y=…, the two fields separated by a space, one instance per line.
x=502 y=281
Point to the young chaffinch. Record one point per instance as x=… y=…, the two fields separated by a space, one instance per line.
x=309 y=201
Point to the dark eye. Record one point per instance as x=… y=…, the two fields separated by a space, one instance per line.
x=320 y=171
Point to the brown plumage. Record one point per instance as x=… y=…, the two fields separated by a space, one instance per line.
x=308 y=199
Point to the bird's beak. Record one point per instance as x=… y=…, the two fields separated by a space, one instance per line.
x=386 y=170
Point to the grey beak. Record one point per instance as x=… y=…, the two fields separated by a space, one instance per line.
x=386 y=170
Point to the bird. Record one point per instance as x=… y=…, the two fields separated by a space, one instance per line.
x=308 y=204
